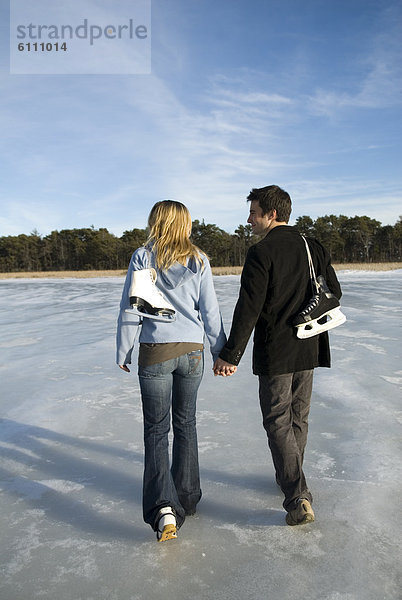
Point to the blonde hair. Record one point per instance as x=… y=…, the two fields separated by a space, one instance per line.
x=170 y=229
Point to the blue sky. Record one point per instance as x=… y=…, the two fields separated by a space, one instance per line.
x=305 y=94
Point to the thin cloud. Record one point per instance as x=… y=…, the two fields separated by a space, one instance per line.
x=379 y=88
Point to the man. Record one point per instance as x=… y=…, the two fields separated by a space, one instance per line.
x=275 y=287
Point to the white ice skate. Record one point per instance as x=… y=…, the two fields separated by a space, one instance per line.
x=146 y=300
x=321 y=314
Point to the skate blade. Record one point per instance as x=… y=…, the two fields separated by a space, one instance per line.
x=308 y=330
x=166 y=318
x=168 y=533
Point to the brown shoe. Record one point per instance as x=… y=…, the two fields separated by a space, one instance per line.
x=303 y=513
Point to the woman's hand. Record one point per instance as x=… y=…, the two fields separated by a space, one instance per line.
x=223 y=368
x=125 y=368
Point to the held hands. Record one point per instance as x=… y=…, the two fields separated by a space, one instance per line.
x=223 y=368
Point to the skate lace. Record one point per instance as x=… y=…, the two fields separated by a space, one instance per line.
x=158 y=292
x=311 y=305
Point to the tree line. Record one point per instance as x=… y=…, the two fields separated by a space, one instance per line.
x=348 y=239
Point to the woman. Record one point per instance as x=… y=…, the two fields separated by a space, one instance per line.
x=170 y=363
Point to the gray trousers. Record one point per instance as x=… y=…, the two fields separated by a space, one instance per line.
x=285 y=406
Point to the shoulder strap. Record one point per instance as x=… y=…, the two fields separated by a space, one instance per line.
x=313 y=277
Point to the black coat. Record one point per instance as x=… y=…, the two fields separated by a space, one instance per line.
x=275 y=287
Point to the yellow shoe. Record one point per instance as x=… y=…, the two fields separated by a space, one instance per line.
x=166 y=528
x=303 y=513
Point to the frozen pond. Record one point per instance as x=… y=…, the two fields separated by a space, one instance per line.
x=71 y=466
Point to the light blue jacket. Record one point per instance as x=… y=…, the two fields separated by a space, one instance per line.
x=190 y=290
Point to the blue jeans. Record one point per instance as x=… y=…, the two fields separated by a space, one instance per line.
x=285 y=406
x=172 y=384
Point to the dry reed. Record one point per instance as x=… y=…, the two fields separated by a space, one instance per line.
x=215 y=270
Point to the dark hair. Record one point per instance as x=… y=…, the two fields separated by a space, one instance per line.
x=272 y=197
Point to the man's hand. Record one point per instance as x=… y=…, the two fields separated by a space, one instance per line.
x=223 y=368
x=125 y=368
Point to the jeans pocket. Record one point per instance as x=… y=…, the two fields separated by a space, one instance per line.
x=195 y=362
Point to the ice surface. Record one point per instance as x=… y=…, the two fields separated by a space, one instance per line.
x=71 y=466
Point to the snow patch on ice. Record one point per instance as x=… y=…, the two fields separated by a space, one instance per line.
x=339 y=596
x=81 y=560
x=206 y=446
x=34 y=489
x=23 y=550
x=393 y=380
x=26 y=452
x=329 y=436
x=322 y=462
x=398 y=416
x=282 y=542
x=363 y=333
x=205 y=416
x=18 y=342
x=371 y=348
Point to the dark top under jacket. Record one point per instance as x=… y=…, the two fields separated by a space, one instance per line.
x=275 y=287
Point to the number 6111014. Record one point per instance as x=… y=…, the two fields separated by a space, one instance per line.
x=42 y=47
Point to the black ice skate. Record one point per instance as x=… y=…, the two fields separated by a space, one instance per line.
x=321 y=313
x=146 y=300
